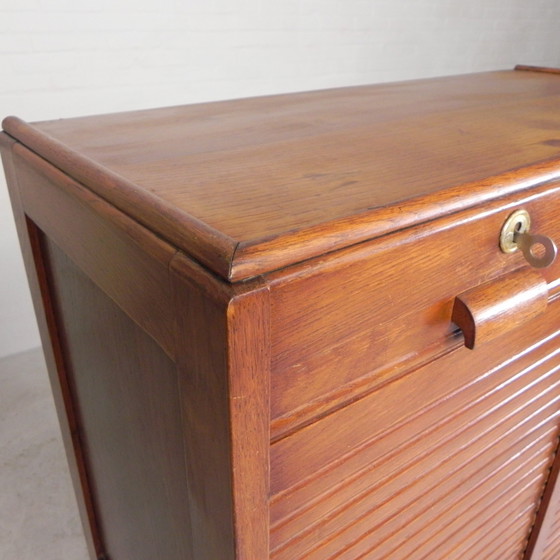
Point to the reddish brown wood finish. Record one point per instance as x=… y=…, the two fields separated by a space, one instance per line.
x=223 y=356
x=387 y=472
x=129 y=419
x=496 y=307
x=337 y=312
x=136 y=412
x=544 y=69
x=29 y=240
x=544 y=543
x=248 y=186
x=247 y=311
x=125 y=260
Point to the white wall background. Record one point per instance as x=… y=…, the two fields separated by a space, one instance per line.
x=62 y=58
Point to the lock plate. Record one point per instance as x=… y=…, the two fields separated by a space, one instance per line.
x=517 y=223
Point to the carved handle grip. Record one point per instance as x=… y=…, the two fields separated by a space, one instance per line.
x=499 y=306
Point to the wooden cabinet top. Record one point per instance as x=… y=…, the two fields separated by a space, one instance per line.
x=248 y=186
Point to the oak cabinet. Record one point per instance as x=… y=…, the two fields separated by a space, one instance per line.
x=256 y=316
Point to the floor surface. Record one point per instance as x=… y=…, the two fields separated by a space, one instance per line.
x=38 y=513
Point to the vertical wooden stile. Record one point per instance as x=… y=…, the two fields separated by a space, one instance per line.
x=223 y=363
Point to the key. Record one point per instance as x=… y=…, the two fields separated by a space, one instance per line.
x=539 y=250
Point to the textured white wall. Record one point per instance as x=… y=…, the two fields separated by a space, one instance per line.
x=62 y=58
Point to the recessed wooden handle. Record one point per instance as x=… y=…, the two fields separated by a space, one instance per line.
x=499 y=306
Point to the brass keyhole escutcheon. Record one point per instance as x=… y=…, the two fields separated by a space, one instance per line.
x=539 y=250
x=518 y=222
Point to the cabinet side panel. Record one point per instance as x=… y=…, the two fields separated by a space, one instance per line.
x=34 y=265
x=125 y=390
x=125 y=260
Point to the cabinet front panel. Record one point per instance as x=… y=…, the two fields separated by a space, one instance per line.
x=125 y=391
x=546 y=538
x=552 y=550
x=346 y=322
x=446 y=462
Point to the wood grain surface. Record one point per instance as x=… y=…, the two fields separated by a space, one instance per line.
x=36 y=270
x=418 y=468
x=223 y=363
x=248 y=186
x=124 y=259
x=544 y=543
x=351 y=320
x=247 y=310
x=124 y=389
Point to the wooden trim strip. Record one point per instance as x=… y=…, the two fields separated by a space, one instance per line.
x=262 y=256
x=249 y=409
x=545 y=69
x=223 y=357
x=205 y=244
x=141 y=236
